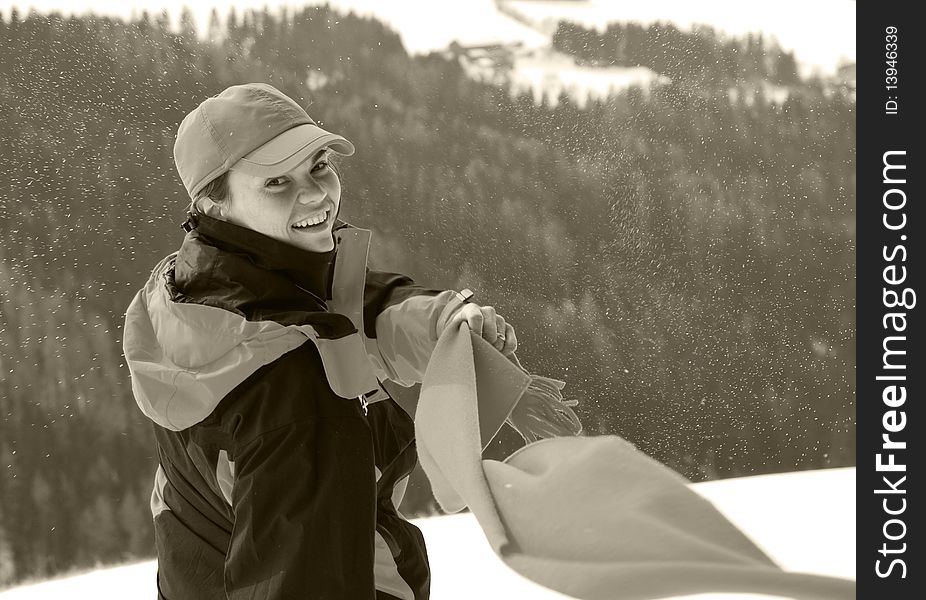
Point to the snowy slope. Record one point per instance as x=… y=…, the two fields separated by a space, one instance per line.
x=432 y=25
x=821 y=32
x=804 y=520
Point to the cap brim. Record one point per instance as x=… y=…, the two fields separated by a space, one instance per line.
x=289 y=149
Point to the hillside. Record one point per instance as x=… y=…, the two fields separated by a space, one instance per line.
x=683 y=259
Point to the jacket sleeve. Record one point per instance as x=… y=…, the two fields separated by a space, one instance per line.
x=405 y=320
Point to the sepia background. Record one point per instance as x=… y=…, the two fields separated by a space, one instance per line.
x=664 y=209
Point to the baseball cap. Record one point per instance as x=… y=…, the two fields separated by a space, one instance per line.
x=254 y=128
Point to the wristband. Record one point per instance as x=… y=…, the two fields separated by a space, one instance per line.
x=465 y=295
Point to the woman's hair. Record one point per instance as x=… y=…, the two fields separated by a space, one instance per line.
x=217 y=189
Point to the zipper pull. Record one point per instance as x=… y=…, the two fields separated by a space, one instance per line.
x=189 y=224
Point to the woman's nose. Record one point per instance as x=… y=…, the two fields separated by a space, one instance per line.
x=310 y=191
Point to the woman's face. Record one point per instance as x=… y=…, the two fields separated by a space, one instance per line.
x=297 y=207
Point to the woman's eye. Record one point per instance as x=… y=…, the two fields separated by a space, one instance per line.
x=281 y=181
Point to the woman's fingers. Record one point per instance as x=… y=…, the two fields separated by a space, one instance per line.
x=501 y=333
x=489 y=325
x=470 y=314
x=511 y=340
x=481 y=320
x=474 y=318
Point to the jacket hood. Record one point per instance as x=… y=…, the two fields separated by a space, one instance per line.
x=185 y=353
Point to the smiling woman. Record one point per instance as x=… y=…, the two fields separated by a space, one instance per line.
x=282 y=462
x=298 y=207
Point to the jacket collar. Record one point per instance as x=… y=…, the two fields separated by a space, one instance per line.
x=227 y=265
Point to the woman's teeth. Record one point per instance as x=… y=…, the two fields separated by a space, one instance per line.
x=312 y=220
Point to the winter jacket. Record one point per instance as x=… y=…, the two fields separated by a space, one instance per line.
x=282 y=460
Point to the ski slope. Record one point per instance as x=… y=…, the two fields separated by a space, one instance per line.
x=431 y=25
x=822 y=33
x=803 y=520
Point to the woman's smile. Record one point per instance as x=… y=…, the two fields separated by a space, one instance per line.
x=313 y=220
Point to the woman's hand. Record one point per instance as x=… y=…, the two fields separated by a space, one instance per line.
x=493 y=328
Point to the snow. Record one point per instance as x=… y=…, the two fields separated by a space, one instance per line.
x=129 y=582
x=822 y=33
x=823 y=38
x=429 y=25
x=803 y=520
x=550 y=73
